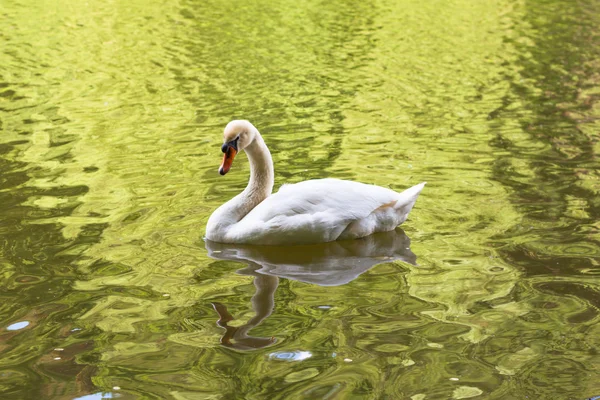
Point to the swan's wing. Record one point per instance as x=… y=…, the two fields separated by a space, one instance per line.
x=311 y=211
x=342 y=200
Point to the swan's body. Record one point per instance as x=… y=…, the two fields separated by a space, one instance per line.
x=313 y=211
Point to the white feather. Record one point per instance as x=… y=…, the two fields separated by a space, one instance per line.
x=322 y=211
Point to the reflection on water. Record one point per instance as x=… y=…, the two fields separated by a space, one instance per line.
x=111 y=116
x=263 y=303
x=325 y=264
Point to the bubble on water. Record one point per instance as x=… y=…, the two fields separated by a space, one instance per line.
x=97 y=396
x=290 y=355
x=17 y=326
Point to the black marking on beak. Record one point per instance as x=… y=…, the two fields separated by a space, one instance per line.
x=233 y=143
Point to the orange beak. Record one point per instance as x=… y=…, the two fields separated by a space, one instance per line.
x=227 y=160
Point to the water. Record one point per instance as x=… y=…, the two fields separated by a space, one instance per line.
x=111 y=115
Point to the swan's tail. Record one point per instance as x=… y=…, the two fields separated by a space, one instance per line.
x=407 y=199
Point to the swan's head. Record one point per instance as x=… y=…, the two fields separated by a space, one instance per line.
x=237 y=136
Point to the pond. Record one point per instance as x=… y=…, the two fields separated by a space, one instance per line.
x=111 y=119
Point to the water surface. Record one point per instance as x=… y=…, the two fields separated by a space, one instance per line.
x=111 y=115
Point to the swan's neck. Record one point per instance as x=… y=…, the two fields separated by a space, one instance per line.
x=259 y=188
x=262 y=176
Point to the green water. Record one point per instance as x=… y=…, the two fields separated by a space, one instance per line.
x=111 y=116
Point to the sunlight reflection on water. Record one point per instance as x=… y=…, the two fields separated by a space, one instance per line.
x=112 y=113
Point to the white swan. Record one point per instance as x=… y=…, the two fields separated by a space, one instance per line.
x=315 y=211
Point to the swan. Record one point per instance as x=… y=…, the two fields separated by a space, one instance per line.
x=314 y=211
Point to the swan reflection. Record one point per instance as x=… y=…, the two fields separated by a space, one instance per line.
x=324 y=264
